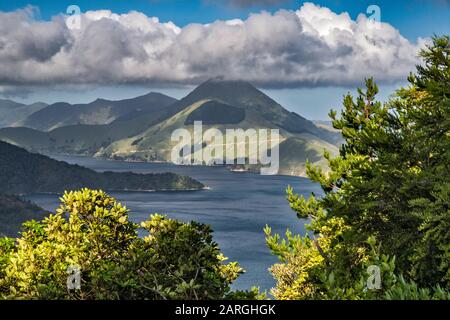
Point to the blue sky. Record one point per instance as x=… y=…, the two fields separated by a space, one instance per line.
x=413 y=19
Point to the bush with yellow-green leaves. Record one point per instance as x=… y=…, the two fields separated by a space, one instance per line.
x=92 y=231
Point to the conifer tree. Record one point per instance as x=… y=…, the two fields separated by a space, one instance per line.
x=386 y=196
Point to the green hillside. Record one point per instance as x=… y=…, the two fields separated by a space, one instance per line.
x=14 y=212
x=227 y=105
x=244 y=95
x=12 y=112
x=144 y=132
x=86 y=139
x=98 y=112
x=23 y=172
x=214 y=112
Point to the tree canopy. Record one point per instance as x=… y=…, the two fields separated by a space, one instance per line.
x=386 y=197
x=91 y=232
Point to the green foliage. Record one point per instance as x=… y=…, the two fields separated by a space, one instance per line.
x=92 y=231
x=253 y=294
x=23 y=172
x=389 y=183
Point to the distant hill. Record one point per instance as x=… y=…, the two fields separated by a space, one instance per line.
x=88 y=139
x=144 y=132
x=231 y=104
x=12 y=112
x=14 y=211
x=244 y=95
x=98 y=112
x=23 y=172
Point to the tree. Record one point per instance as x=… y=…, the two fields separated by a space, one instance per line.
x=389 y=188
x=92 y=232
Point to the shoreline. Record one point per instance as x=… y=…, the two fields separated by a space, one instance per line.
x=205 y=188
x=170 y=163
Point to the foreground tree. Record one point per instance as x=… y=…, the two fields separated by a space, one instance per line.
x=386 y=197
x=91 y=233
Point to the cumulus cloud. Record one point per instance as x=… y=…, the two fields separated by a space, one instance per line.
x=311 y=46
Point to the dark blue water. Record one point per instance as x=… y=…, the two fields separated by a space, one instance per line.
x=238 y=206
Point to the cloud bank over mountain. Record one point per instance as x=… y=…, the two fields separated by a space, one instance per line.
x=311 y=46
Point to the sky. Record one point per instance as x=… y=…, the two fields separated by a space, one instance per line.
x=304 y=54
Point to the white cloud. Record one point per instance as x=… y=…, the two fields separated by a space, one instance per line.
x=312 y=46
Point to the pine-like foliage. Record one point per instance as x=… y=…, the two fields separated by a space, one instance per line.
x=390 y=183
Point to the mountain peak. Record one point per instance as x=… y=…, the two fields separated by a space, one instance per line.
x=100 y=101
x=234 y=92
x=223 y=82
x=153 y=94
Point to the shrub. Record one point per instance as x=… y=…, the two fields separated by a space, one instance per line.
x=92 y=232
